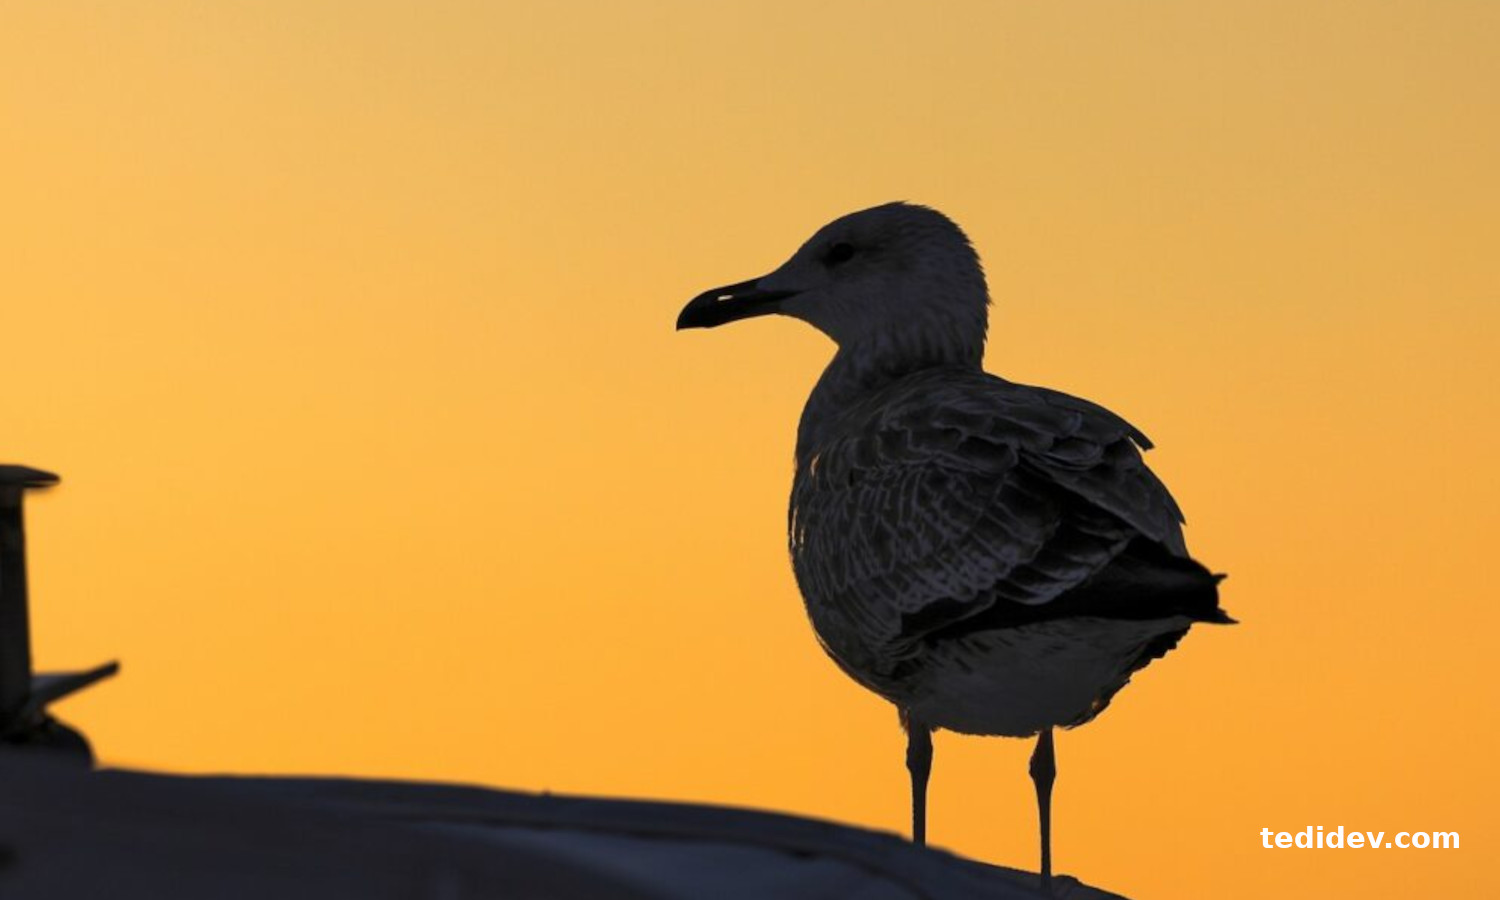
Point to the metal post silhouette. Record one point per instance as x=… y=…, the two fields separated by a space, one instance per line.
x=24 y=696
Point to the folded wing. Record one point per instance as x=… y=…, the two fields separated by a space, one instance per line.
x=954 y=500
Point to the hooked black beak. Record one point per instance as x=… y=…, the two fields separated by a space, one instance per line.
x=731 y=302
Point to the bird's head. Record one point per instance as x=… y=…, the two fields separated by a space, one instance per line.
x=893 y=270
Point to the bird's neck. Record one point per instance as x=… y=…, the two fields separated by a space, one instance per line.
x=862 y=368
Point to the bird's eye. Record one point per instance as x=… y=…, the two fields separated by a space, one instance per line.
x=839 y=253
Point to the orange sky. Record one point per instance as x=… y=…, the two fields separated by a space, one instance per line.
x=349 y=326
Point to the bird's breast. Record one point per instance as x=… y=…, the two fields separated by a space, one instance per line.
x=827 y=545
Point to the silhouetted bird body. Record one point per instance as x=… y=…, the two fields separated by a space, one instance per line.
x=990 y=557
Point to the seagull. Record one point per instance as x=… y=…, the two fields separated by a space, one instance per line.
x=990 y=557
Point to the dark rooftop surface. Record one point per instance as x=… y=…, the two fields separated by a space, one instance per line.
x=69 y=833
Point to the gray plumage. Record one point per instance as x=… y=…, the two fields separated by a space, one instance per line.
x=965 y=547
x=992 y=558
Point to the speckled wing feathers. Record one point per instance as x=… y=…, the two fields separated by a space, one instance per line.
x=950 y=492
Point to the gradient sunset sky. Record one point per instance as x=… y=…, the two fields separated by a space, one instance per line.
x=349 y=327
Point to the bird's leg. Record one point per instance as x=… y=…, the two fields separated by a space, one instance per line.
x=1043 y=773
x=919 y=763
